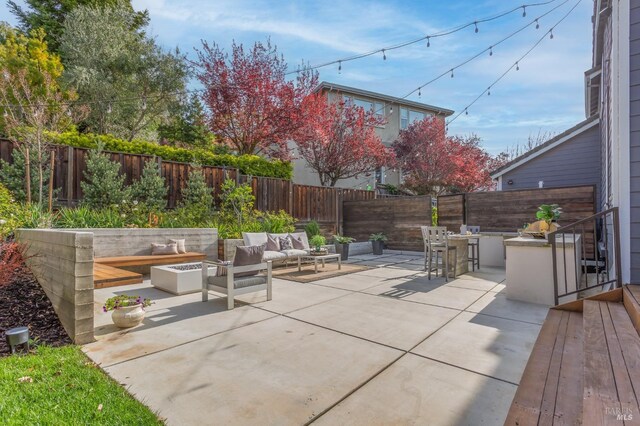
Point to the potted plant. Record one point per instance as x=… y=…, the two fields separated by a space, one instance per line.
x=342 y=245
x=317 y=242
x=377 y=241
x=547 y=216
x=128 y=311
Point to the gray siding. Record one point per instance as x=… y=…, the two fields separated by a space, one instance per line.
x=634 y=155
x=572 y=163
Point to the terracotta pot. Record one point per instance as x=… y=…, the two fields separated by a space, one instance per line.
x=128 y=316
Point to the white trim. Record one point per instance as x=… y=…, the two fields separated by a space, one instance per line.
x=620 y=93
x=499 y=186
x=547 y=148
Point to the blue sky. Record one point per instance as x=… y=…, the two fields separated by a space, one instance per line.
x=546 y=94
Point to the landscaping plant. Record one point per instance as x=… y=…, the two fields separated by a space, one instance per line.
x=378 y=236
x=549 y=213
x=317 y=241
x=123 y=301
x=312 y=228
x=341 y=239
x=150 y=190
x=103 y=185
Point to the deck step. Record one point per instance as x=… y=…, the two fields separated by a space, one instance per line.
x=548 y=391
x=631 y=298
x=608 y=384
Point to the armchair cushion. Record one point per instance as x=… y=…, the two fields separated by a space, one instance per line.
x=294 y=252
x=254 y=238
x=272 y=243
x=241 y=282
x=248 y=255
x=285 y=243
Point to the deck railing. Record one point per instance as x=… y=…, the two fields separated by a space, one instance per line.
x=591 y=247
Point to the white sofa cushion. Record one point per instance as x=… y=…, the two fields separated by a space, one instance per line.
x=254 y=238
x=273 y=255
x=294 y=253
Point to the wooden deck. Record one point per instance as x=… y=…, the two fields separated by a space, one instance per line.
x=585 y=365
x=108 y=276
x=145 y=260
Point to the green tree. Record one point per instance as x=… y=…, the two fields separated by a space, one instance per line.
x=50 y=16
x=187 y=127
x=32 y=100
x=12 y=175
x=196 y=193
x=150 y=189
x=103 y=185
x=237 y=202
x=131 y=83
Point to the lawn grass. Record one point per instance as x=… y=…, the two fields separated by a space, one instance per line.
x=67 y=388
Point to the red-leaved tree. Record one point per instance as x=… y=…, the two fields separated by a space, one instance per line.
x=253 y=108
x=434 y=163
x=338 y=140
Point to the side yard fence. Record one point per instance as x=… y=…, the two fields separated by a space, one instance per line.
x=303 y=202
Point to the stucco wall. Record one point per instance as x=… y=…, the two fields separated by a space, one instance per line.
x=62 y=262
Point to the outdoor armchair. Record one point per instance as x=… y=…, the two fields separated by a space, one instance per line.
x=238 y=280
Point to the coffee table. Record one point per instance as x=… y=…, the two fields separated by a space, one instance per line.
x=322 y=258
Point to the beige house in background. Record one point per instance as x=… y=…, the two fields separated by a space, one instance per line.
x=399 y=113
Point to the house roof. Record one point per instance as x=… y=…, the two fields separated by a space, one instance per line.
x=546 y=146
x=355 y=91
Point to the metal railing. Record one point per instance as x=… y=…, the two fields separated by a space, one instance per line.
x=586 y=256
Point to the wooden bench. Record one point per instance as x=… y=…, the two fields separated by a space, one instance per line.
x=107 y=274
x=585 y=364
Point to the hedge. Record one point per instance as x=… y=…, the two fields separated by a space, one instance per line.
x=247 y=164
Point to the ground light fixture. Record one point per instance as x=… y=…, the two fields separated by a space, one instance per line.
x=17 y=336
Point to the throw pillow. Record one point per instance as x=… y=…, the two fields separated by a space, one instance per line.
x=272 y=244
x=285 y=243
x=299 y=242
x=160 y=249
x=180 y=244
x=248 y=255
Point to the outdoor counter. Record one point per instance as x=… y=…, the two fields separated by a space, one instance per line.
x=529 y=268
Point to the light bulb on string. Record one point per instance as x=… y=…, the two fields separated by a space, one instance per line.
x=109 y=108
x=490 y=50
x=384 y=55
x=476 y=24
x=524 y=11
x=451 y=72
x=144 y=103
x=537 y=24
x=551 y=33
x=466 y=112
x=428 y=41
x=419 y=92
x=517 y=67
x=489 y=91
x=339 y=67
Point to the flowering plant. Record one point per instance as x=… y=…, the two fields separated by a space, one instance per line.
x=123 y=301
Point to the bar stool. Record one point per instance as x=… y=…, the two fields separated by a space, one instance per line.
x=436 y=241
x=474 y=245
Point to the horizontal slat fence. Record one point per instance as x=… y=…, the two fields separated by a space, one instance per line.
x=508 y=211
x=399 y=218
x=303 y=202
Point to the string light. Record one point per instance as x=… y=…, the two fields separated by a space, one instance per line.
x=144 y=103
x=384 y=55
x=426 y=37
x=340 y=67
x=476 y=24
x=109 y=108
x=537 y=24
x=551 y=33
x=490 y=50
x=489 y=91
x=524 y=11
x=466 y=112
x=451 y=72
x=420 y=92
x=517 y=66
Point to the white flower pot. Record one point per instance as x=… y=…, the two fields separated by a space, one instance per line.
x=128 y=316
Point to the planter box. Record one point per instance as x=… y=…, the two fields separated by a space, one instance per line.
x=227 y=248
x=176 y=281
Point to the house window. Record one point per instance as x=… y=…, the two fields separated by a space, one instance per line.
x=408 y=116
x=379 y=110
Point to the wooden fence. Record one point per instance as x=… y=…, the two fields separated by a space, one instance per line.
x=303 y=202
x=508 y=211
x=399 y=218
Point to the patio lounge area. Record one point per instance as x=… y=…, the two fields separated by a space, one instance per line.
x=383 y=345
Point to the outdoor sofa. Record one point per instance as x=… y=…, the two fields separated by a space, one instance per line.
x=275 y=250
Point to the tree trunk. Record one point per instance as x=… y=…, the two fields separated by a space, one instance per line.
x=27 y=168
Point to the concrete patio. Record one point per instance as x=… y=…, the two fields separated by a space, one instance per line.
x=381 y=346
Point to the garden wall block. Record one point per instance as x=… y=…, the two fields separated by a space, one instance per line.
x=62 y=262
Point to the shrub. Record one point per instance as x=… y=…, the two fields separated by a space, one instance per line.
x=276 y=222
x=12 y=260
x=236 y=202
x=12 y=175
x=434 y=216
x=33 y=216
x=312 y=228
x=103 y=185
x=150 y=189
x=9 y=213
x=247 y=164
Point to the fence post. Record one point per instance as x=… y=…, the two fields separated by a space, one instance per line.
x=290 y=211
x=70 y=174
x=337 y=193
